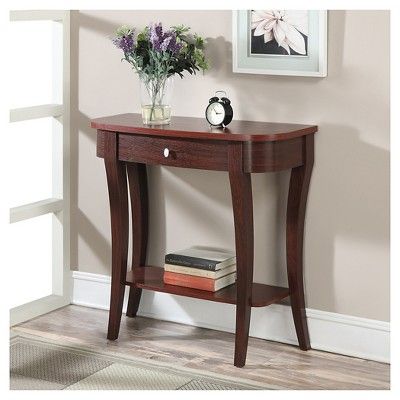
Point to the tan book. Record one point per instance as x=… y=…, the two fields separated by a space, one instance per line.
x=200 y=272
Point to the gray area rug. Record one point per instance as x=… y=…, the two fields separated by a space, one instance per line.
x=39 y=365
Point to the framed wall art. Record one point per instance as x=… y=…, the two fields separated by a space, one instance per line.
x=280 y=42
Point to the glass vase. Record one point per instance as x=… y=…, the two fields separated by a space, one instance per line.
x=156 y=97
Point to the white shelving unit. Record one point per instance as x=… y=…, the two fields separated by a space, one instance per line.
x=59 y=203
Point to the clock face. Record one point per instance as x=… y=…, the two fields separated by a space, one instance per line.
x=215 y=113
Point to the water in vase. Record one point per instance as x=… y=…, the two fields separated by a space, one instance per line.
x=156 y=115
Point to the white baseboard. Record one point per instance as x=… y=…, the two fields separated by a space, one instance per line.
x=37 y=307
x=337 y=333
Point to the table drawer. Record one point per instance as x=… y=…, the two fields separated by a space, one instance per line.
x=186 y=153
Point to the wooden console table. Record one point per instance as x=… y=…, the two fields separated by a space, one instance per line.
x=246 y=147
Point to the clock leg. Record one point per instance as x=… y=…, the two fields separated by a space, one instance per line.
x=297 y=199
x=137 y=177
x=242 y=202
x=117 y=190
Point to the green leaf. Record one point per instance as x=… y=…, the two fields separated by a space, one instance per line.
x=124 y=30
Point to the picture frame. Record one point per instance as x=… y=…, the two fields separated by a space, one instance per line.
x=255 y=49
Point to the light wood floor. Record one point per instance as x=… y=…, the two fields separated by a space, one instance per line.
x=278 y=364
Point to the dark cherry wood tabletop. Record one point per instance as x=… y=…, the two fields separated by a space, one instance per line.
x=197 y=128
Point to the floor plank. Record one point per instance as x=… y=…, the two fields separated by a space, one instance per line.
x=268 y=362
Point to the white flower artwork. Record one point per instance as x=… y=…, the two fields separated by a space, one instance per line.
x=280 y=42
x=279 y=32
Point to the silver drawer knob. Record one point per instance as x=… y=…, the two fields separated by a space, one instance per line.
x=166 y=152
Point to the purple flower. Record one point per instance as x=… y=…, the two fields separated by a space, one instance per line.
x=125 y=43
x=164 y=45
x=161 y=41
x=173 y=46
x=156 y=36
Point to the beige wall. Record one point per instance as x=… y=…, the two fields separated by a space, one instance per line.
x=347 y=222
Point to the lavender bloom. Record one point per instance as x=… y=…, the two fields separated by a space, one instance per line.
x=125 y=43
x=173 y=46
x=158 y=29
x=164 y=45
x=156 y=36
x=161 y=41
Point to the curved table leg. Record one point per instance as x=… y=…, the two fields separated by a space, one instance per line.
x=242 y=202
x=297 y=200
x=117 y=190
x=137 y=178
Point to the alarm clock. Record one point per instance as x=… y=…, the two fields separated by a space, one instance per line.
x=219 y=112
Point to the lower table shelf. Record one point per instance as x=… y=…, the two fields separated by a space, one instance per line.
x=151 y=278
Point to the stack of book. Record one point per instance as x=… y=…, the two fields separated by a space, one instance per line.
x=200 y=268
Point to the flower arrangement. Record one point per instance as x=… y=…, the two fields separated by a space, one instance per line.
x=156 y=55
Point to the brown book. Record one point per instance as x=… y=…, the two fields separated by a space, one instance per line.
x=196 y=282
